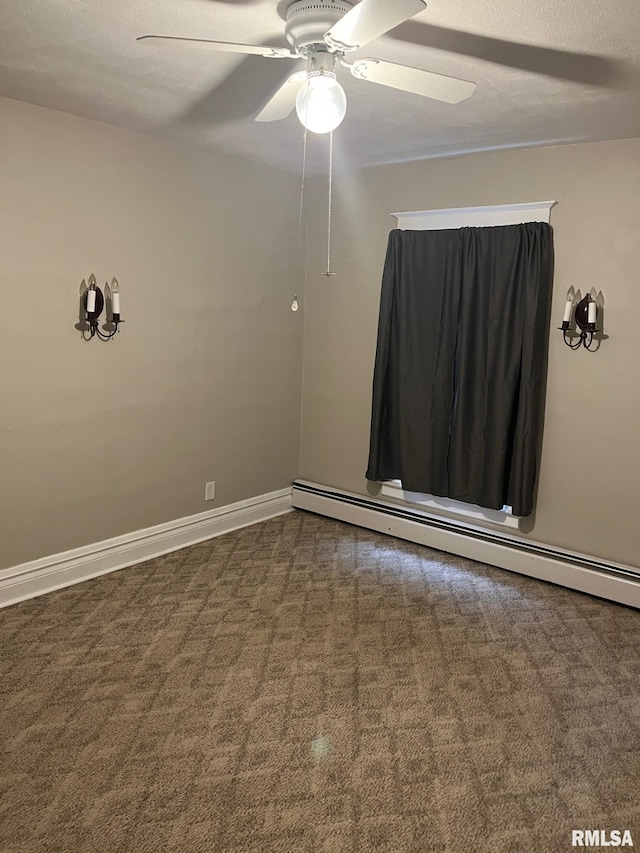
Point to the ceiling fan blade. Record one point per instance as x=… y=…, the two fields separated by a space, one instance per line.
x=224 y=46
x=424 y=83
x=240 y=94
x=368 y=20
x=561 y=64
x=284 y=100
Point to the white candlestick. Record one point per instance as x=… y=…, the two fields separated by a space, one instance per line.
x=91 y=301
x=591 y=314
x=115 y=303
x=567 y=311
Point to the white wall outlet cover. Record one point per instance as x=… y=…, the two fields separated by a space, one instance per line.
x=210 y=491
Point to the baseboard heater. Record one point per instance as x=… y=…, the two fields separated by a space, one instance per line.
x=581 y=572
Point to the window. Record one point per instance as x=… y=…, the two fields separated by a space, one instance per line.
x=459 y=218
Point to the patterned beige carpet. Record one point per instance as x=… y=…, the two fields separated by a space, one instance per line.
x=304 y=685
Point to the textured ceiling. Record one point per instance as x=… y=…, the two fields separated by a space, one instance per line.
x=82 y=57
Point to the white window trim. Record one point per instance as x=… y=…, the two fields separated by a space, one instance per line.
x=463 y=217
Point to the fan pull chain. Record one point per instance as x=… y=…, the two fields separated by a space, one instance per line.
x=304 y=170
x=294 y=304
x=328 y=272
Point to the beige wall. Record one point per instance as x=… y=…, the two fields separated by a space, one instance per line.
x=589 y=485
x=99 y=439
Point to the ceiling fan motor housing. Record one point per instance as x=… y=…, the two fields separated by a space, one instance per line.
x=309 y=20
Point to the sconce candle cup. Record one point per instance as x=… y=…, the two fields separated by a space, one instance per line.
x=93 y=302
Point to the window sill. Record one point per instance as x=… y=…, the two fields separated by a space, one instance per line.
x=393 y=489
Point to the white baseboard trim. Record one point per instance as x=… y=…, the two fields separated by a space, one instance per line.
x=612 y=581
x=59 y=570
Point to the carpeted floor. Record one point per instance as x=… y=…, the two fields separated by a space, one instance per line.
x=304 y=685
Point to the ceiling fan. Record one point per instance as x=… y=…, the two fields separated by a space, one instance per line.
x=324 y=32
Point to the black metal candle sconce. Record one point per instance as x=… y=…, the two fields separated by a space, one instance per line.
x=93 y=303
x=583 y=313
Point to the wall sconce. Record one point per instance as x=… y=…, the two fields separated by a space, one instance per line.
x=586 y=314
x=93 y=302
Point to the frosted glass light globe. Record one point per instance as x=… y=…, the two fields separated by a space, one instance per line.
x=321 y=103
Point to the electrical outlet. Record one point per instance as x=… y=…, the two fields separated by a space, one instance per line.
x=209 y=491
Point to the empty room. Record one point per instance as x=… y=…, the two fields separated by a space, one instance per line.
x=319 y=411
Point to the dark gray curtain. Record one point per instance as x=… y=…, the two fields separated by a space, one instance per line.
x=458 y=388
